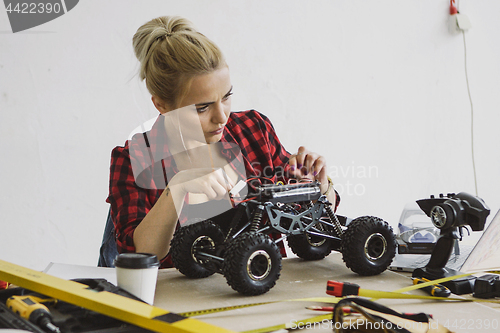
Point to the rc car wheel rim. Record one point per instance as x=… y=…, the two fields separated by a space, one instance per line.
x=316 y=244
x=201 y=244
x=375 y=246
x=321 y=241
x=259 y=265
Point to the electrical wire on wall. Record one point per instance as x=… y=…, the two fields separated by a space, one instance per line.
x=454 y=11
x=471 y=114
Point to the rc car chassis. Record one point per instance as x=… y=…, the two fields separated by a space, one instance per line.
x=245 y=252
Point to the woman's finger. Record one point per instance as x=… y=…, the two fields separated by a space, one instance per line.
x=220 y=190
x=309 y=161
x=318 y=165
x=209 y=192
x=223 y=179
x=296 y=161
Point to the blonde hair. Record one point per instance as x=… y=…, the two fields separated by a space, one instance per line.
x=171 y=53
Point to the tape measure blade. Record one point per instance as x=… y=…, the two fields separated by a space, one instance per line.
x=242 y=306
x=116 y=306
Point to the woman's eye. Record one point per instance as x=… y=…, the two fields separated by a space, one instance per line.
x=202 y=109
x=227 y=97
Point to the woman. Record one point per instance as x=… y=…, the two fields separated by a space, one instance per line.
x=197 y=150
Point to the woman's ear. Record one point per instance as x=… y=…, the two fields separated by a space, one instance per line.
x=160 y=104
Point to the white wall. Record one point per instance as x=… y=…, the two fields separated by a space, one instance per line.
x=377 y=87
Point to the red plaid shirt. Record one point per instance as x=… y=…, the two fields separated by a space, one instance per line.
x=131 y=198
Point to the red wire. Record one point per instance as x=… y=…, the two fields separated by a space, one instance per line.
x=246 y=200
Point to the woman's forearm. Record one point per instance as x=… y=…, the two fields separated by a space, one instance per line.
x=152 y=235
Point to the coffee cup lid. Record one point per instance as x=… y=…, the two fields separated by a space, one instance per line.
x=136 y=260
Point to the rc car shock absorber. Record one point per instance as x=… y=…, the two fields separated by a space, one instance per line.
x=240 y=210
x=334 y=219
x=257 y=217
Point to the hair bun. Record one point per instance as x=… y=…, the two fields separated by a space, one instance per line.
x=155 y=30
x=170 y=49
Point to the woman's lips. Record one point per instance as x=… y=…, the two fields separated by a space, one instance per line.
x=218 y=131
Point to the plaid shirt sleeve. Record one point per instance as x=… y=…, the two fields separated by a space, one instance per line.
x=130 y=203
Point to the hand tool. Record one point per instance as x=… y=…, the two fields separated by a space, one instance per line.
x=30 y=308
x=434 y=290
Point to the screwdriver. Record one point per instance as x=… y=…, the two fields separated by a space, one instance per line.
x=29 y=307
x=437 y=290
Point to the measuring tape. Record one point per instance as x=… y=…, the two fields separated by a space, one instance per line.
x=332 y=300
x=109 y=304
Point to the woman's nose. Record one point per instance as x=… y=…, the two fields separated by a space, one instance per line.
x=219 y=115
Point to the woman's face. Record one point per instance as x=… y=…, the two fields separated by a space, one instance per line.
x=211 y=94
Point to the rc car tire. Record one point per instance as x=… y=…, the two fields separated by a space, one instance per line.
x=206 y=236
x=368 y=245
x=310 y=247
x=252 y=264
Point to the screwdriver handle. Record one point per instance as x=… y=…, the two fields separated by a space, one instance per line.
x=437 y=290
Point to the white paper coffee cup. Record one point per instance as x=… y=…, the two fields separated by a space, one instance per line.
x=137 y=273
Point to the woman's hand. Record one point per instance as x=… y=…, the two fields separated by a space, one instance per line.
x=308 y=165
x=159 y=224
x=215 y=184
